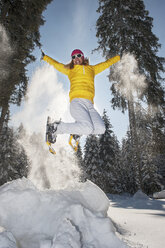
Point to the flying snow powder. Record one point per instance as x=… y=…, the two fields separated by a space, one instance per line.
x=47 y=97
x=131 y=83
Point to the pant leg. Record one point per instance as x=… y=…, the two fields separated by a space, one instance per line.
x=83 y=123
x=98 y=123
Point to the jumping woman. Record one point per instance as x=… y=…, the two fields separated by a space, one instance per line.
x=82 y=92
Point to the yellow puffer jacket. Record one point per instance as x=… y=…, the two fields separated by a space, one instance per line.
x=82 y=76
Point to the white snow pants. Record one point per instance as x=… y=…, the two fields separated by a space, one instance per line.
x=87 y=119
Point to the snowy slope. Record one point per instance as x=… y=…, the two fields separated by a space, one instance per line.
x=139 y=220
x=71 y=218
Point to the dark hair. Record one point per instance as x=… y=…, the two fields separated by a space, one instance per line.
x=71 y=64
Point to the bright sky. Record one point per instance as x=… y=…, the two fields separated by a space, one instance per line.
x=70 y=24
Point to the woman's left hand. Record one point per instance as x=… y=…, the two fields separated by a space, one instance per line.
x=42 y=54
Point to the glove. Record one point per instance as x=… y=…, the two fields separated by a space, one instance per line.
x=42 y=55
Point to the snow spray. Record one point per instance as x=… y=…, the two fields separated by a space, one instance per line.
x=5 y=53
x=46 y=97
x=132 y=83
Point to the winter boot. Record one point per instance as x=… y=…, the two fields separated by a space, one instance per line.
x=75 y=143
x=51 y=130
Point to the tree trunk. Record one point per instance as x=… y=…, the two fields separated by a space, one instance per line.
x=3 y=117
x=134 y=140
x=5 y=106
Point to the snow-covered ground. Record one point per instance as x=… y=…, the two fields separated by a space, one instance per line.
x=139 y=220
x=77 y=217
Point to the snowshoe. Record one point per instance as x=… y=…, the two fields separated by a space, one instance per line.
x=74 y=141
x=51 y=135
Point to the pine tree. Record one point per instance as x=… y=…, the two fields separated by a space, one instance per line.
x=124 y=26
x=128 y=171
x=79 y=156
x=109 y=152
x=13 y=159
x=21 y=21
x=118 y=167
x=158 y=143
x=91 y=162
x=151 y=178
x=149 y=169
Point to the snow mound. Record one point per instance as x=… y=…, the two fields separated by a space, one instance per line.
x=19 y=184
x=55 y=219
x=140 y=195
x=90 y=196
x=159 y=195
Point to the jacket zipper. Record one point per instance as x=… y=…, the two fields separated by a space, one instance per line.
x=83 y=69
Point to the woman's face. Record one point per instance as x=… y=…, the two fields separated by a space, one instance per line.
x=77 y=59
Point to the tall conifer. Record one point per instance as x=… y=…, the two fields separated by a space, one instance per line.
x=13 y=159
x=91 y=162
x=109 y=152
x=125 y=26
x=21 y=20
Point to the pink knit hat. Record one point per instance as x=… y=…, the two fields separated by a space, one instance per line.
x=76 y=51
